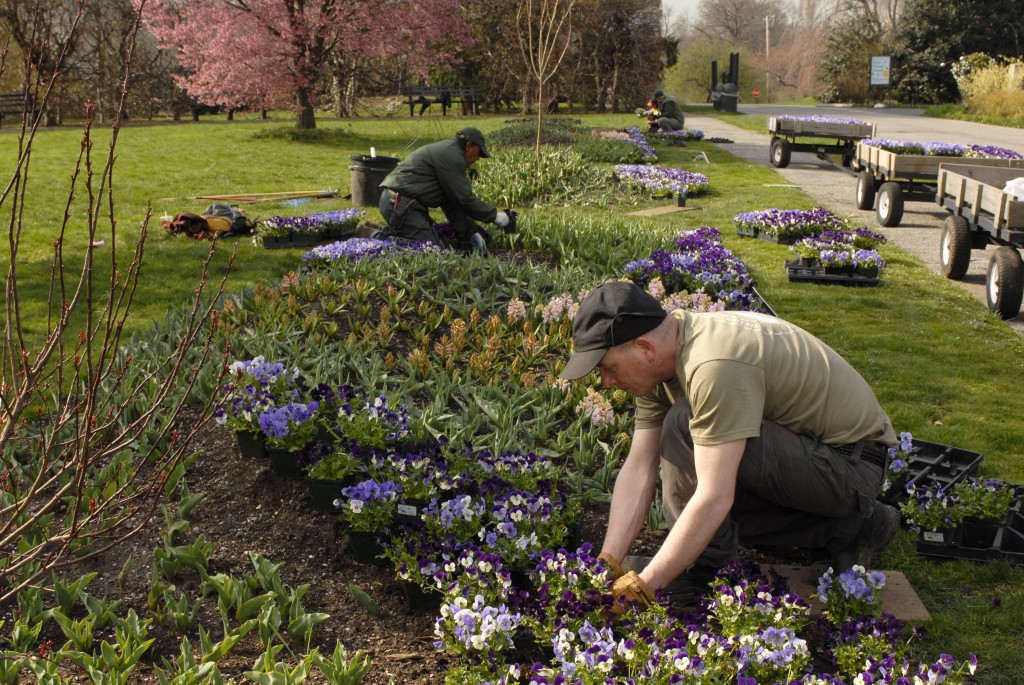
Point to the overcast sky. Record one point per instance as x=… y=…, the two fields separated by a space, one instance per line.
x=679 y=8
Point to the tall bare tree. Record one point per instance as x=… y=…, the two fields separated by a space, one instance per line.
x=544 y=29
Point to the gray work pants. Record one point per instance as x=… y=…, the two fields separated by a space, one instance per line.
x=791 y=490
x=667 y=124
x=417 y=224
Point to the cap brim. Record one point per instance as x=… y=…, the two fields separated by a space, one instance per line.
x=484 y=152
x=582 y=363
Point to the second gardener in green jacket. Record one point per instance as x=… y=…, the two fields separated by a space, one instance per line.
x=435 y=175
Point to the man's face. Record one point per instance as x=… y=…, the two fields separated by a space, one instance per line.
x=626 y=367
x=472 y=152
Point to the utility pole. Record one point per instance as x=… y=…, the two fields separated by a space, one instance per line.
x=767 y=39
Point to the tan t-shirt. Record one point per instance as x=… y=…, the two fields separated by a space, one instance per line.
x=737 y=368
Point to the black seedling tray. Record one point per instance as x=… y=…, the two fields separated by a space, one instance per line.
x=1008 y=544
x=933 y=461
x=816 y=274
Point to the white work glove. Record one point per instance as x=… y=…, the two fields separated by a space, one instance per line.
x=502 y=219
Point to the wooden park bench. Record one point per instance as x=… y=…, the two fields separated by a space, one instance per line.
x=425 y=96
x=12 y=103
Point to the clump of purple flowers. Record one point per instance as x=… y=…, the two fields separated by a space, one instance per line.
x=312 y=224
x=699 y=264
x=661 y=181
x=790 y=222
x=682 y=134
x=854 y=593
x=637 y=137
x=256 y=387
x=369 y=506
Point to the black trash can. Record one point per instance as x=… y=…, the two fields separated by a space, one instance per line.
x=716 y=98
x=367 y=174
x=730 y=96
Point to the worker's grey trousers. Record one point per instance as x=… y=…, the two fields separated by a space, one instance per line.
x=791 y=490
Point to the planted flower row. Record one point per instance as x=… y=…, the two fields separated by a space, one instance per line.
x=637 y=137
x=938 y=148
x=682 y=134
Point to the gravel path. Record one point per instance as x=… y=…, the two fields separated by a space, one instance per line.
x=833 y=186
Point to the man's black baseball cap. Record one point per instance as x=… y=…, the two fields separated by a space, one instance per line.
x=612 y=314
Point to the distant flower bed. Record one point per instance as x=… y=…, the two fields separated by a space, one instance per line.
x=661 y=181
x=320 y=225
x=940 y=149
x=784 y=223
x=825 y=120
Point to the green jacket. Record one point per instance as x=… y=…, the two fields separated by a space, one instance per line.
x=436 y=174
x=670 y=109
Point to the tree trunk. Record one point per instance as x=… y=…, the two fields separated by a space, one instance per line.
x=305 y=116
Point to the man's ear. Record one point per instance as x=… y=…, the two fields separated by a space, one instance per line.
x=646 y=347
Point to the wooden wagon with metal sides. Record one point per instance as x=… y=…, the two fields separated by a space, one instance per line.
x=896 y=178
x=791 y=135
x=982 y=214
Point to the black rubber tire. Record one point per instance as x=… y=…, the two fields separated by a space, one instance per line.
x=781 y=151
x=771 y=149
x=955 y=247
x=865 y=190
x=890 y=204
x=1004 y=282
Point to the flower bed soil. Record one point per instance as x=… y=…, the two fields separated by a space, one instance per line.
x=247 y=508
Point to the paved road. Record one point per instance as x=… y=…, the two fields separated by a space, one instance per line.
x=834 y=186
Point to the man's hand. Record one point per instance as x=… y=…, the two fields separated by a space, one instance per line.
x=502 y=219
x=628 y=589
x=614 y=567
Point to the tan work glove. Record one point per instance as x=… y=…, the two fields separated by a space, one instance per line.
x=614 y=567
x=630 y=588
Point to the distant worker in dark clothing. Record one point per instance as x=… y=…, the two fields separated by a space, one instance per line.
x=435 y=175
x=664 y=113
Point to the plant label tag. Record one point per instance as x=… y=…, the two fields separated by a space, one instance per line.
x=933 y=536
x=406 y=510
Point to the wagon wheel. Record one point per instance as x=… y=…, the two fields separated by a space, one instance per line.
x=1004 y=283
x=865 y=190
x=781 y=150
x=890 y=204
x=771 y=148
x=955 y=247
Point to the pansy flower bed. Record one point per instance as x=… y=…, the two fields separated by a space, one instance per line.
x=637 y=137
x=787 y=225
x=310 y=228
x=520 y=603
x=940 y=149
x=661 y=181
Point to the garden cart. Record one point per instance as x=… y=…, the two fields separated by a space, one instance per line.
x=982 y=214
x=899 y=177
x=787 y=130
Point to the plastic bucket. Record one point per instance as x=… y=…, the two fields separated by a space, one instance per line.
x=367 y=175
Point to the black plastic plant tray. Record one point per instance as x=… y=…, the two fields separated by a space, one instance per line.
x=816 y=274
x=1008 y=545
x=945 y=464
